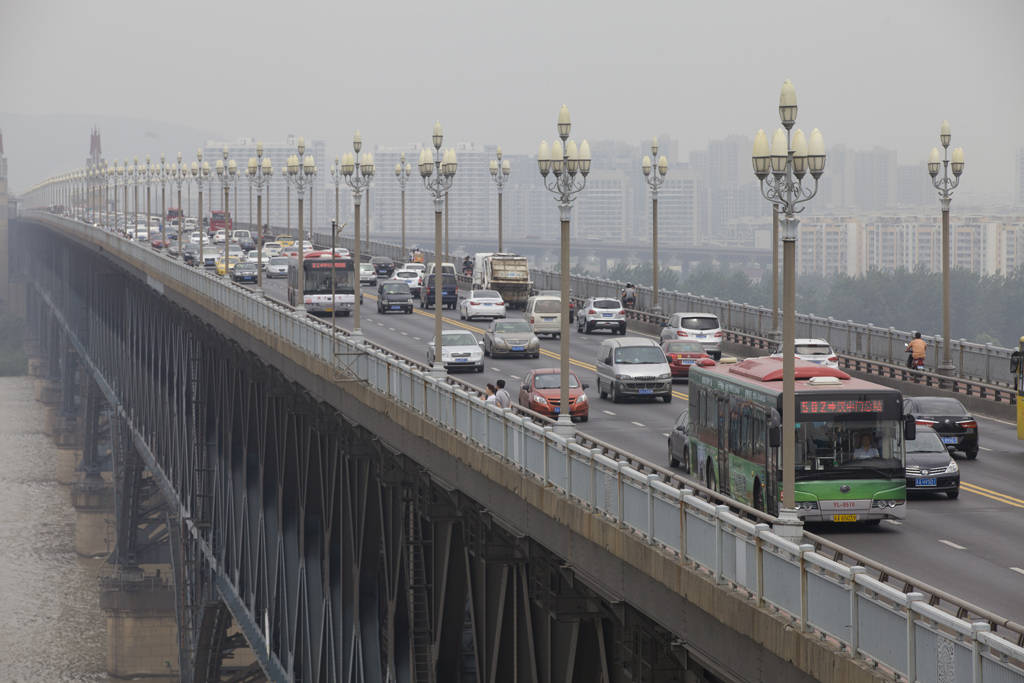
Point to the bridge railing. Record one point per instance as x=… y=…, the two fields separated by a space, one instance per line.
x=983 y=363
x=908 y=633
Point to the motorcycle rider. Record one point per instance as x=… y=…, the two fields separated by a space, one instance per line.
x=629 y=296
x=916 y=351
x=467 y=265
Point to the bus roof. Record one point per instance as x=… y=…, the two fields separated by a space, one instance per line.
x=765 y=373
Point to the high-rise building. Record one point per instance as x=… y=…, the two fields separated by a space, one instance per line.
x=875 y=179
x=914 y=186
x=1019 y=178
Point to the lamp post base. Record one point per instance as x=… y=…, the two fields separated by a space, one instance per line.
x=774 y=335
x=300 y=309
x=946 y=368
x=564 y=427
x=789 y=525
x=356 y=336
x=437 y=371
x=656 y=309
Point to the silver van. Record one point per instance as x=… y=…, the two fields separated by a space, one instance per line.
x=544 y=313
x=633 y=367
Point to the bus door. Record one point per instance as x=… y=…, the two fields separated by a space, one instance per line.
x=722 y=466
x=773 y=440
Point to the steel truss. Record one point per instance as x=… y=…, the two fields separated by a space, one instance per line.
x=337 y=558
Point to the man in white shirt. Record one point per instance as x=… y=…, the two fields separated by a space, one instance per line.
x=866 y=450
x=502 y=397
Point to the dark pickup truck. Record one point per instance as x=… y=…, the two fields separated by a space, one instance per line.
x=449 y=291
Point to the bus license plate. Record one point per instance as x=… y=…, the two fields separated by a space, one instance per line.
x=844 y=518
x=646 y=391
x=930 y=481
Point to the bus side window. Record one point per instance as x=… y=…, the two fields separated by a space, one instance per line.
x=745 y=433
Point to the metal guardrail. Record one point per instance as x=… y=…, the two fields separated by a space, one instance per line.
x=907 y=632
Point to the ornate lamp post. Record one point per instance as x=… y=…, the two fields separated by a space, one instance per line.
x=162 y=176
x=260 y=172
x=570 y=167
x=654 y=181
x=438 y=172
x=179 y=176
x=134 y=174
x=227 y=169
x=337 y=179
x=945 y=185
x=112 y=180
x=403 y=169
x=357 y=176
x=148 y=176
x=781 y=174
x=201 y=175
x=300 y=174
x=500 y=170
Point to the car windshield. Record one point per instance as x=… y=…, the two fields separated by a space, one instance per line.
x=925 y=442
x=553 y=380
x=699 y=323
x=279 y=261
x=938 y=406
x=606 y=303
x=458 y=339
x=813 y=350
x=513 y=326
x=856 y=449
x=395 y=288
x=684 y=347
x=639 y=355
x=486 y=294
x=407 y=273
x=380 y=259
x=366 y=267
x=547 y=306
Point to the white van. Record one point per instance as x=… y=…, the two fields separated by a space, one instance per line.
x=544 y=313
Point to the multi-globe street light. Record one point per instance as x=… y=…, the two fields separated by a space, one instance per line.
x=570 y=167
x=179 y=176
x=654 y=180
x=403 y=170
x=357 y=170
x=500 y=170
x=260 y=171
x=201 y=175
x=945 y=185
x=227 y=169
x=112 y=180
x=437 y=169
x=781 y=171
x=300 y=172
x=148 y=175
x=133 y=175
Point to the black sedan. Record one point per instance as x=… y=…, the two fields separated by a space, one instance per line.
x=956 y=428
x=929 y=465
x=383 y=266
x=244 y=272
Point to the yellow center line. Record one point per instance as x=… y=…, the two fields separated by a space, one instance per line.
x=993 y=495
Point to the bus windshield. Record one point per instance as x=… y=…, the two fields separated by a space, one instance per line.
x=318 y=277
x=849 y=449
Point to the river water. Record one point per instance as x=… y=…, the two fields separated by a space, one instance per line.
x=51 y=626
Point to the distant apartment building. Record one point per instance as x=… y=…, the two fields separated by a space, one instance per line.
x=829 y=246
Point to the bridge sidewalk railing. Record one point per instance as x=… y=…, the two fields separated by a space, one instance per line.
x=861 y=614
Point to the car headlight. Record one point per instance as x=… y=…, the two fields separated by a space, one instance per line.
x=952 y=467
x=667 y=375
x=618 y=376
x=498 y=341
x=807 y=505
x=582 y=398
x=534 y=343
x=540 y=399
x=886 y=503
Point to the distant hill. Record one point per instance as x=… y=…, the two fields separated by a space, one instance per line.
x=39 y=146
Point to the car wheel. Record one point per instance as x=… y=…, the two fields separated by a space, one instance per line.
x=600 y=391
x=971 y=454
x=873 y=522
x=487 y=351
x=667 y=397
x=672 y=460
x=537 y=355
x=614 y=394
x=480 y=368
x=622 y=330
x=585 y=418
x=709 y=476
x=589 y=329
x=758 y=496
x=954 y=494
x=556 y=335
x=462 y=316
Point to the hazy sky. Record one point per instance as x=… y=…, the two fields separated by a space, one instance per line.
x=866 y=72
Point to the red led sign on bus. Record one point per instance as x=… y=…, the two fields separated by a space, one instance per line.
x=836 y=407
x=327 y=263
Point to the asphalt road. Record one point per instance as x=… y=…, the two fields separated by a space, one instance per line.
x=972 y=547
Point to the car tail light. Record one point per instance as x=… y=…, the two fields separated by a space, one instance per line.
x=622 y=311
x=925 y=423
x=681 y=333
x=474 y=303
x=531 y=319
x=718 y=334
x=833 y=359
x=968 y=424
x=591 y=312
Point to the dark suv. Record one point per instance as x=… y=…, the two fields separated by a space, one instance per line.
x=394 y=296
x=383 y=266
x=957 y=429
x=449 y=291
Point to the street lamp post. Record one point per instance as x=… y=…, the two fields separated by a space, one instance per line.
x=163 y=175
x=178 y=176
x=227 y=169
x=566 y=162
x=437 y=169
x=337 y=179
x=357 y=176
x=201 y=174
x=135 y=177
x=500 y=170
x=781 y=175
x=112 y=179
x=403 y=170
x=301 y=170
x=260 y=172
x=147 y=178
x=654 y=181
x=945 y=185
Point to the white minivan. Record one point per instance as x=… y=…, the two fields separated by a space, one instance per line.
x=544 y=313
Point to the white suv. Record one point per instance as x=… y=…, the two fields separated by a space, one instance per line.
x=816 y=351
x=699 y=327
x=601 y=312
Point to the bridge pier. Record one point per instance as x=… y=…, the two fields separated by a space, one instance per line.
x=142 y=631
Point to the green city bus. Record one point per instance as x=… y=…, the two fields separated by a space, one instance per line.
x=850 y=440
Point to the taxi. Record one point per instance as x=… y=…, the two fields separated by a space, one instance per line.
x=285 y=240
x=232 y=261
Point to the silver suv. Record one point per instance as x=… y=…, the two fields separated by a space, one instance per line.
x=601 y=313
x=698 y=327
x=633 y=367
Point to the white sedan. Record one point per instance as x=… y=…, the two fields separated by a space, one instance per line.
x=253 y=256
x=817 y=351
x=459 y=349
x=482 y=303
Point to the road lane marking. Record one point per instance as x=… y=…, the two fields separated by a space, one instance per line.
x=515 y=377
x=666 y=434
x=418 y=338
x=608 y=412
x=984 y=449
x=391 y=329
x=1017 y=569
x=894 y=522
x=992 y=495
x=952 y=545
x=639 y=424
x=405 y=334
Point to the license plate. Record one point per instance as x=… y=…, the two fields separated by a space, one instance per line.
x=702 y=336
x=688 y=361
x=607 y=315
x=930 y=481
x=461 y=360
x=646 y=391
x=949 y=439
x=556 y=409
x=329 y=309
x=396 y=308
x=844 y=518
x=547 y=319
x=518 y=348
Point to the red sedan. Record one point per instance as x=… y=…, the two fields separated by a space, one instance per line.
x=682 y=354
x=541 y=393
